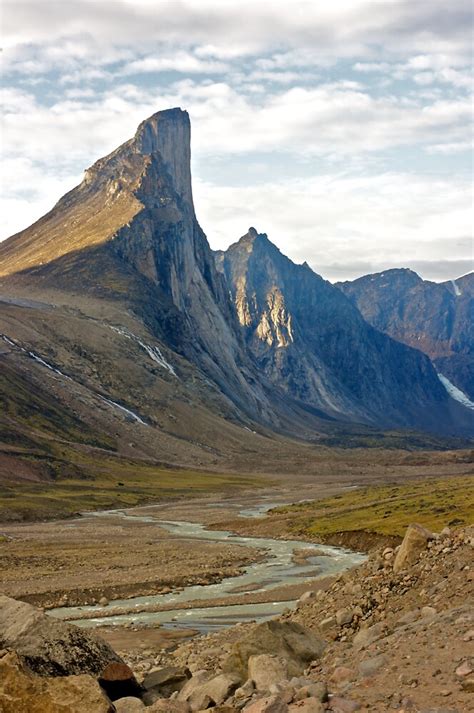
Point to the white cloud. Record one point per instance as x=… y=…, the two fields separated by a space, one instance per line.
x=447 y=148
x=425 y=69
x=424 y=78
x=83 y=74
x=367 y=67
x=321 y=121
x=178 y=62
x=344 y=28
x=340 y=222
x=29 y=190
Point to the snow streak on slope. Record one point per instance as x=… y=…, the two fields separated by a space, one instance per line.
x=153 y=352
x=456 y=393
x=456 y=289
x=41 y=361
x=127 y=411
x=34 y=356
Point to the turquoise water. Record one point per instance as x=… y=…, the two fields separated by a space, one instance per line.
x=277 y=569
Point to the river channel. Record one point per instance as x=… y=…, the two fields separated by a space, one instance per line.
x=278 y=568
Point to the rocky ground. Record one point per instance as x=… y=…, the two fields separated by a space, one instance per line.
x=81 y=561
x=396 y=633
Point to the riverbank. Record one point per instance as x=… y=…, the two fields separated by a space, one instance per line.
x=78 y=561
x=370 y=517
x=394 y=633
x=81 y=561
x=265 y=587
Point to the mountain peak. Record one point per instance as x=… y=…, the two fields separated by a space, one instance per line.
x=152 y=132
x=148 y=171
x=251 y=237
x=168 y=133
x=394 y=276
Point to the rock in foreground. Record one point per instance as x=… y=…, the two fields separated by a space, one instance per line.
x=22 y=691
x=297 y=645
x=415 y=541
x=50 y=647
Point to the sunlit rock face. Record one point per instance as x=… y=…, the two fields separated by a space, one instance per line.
x=129 y=232
x=308 y=338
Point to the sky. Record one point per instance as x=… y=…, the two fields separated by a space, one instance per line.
x=341 y=129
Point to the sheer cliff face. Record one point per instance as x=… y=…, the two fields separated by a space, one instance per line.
x=437 y=318
x=309 y=339
x=129 y=232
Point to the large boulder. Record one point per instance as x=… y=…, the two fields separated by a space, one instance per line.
x=415 y=541
x=289 y=640
x=162 y=682
x=266 y=670
x=22 y=691
x=204 y=690
x=48 y=646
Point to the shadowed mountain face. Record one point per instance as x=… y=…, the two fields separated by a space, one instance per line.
x=436 y=318
x=256 y=335
x=308 y=339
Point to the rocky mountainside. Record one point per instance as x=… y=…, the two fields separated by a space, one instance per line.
x=308 y=339
x=437 y=318
x=129 y=232
x=119 y=274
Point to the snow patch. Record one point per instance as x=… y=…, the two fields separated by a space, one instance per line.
x=130 y=413
x=34 y=356
x=52 y=368
x=456 y=289
x=456 y=393
x=153 y=352
x=8 y=341
x=45 y=363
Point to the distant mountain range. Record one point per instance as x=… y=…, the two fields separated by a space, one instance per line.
x=117 y=289
x=436 y=318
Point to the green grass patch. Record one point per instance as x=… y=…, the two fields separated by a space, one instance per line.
x=25 y=407
x=111 y=483
x=387 y=509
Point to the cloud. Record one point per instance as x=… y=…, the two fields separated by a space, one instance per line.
x=435 y=270
x=179 y=61
x=346 y=28
x=31 y=190
x=321 y=121
x=425 y=69
x=339 y=222
x=447 y=148
x=367 y=67
x=329 y=98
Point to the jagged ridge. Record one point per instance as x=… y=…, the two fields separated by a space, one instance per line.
x=302 y=352
x=309 y=339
